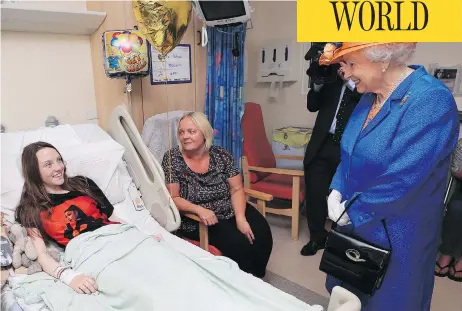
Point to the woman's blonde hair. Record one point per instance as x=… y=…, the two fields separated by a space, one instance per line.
x=202 y=123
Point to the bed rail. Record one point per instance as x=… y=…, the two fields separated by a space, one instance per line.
x=146 y=172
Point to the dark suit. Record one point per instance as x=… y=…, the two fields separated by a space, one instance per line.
x=322 y=154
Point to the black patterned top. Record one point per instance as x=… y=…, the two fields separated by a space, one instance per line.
x=210 y=190
x=456 y=163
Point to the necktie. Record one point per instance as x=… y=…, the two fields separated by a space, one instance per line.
x=341 y=119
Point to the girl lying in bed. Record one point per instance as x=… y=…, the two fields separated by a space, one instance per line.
x=127 y=269
x=56 y=207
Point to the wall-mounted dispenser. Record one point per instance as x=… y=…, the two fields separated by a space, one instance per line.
x=279 y=61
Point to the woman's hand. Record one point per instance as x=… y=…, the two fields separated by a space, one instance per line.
x=336 y=211
x=333 y=204
x=336 y=208
x=78 y=282
x=245 y=229
x=83 y=284
x=334 y=197
x=207 y=216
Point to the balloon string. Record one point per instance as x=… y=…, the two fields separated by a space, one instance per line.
x=195 y=86
x=164 y=65
x=128 y=90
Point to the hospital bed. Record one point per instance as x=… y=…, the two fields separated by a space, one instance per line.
x=130 y=177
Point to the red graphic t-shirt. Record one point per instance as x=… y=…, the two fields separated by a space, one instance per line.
x=74 y=213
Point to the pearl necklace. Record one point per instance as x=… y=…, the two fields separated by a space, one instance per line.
x=397 y=83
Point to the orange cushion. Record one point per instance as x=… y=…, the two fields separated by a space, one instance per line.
x=256 y=146
x=280 y=186
x=212 y=249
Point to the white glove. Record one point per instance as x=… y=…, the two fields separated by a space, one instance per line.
x=336 y=208
x=334 y=197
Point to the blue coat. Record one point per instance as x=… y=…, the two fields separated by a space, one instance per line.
x=397 y=167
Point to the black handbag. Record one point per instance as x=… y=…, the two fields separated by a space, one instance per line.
x=354 y=261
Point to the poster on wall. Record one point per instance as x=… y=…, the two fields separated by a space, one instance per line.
x=175 y=69
x=450 y=76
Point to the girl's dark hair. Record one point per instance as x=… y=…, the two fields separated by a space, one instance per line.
x=34 y=197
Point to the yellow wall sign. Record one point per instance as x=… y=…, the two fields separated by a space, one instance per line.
x=379 y=21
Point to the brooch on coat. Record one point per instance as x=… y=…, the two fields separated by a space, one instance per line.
x=404 y=99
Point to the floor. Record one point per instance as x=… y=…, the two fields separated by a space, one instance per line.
x=300 y=292
x=287 y=262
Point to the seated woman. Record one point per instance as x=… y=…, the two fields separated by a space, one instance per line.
x=450 y=262
x=203 y=180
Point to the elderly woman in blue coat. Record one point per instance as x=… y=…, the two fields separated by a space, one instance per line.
x=395 y=157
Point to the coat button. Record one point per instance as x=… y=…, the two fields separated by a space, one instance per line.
x=360 y=218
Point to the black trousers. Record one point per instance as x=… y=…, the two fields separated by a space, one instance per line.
x=318 y=177
x=452 y=227
x=251 y=258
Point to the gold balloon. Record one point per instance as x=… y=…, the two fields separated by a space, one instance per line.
x=163 y=22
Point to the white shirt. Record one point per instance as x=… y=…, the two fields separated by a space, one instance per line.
x=334 y=122
x=350 y=84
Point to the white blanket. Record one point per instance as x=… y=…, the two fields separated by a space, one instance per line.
x=135 y=272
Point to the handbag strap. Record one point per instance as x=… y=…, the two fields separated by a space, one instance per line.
x=386 y=231
x=383 y=220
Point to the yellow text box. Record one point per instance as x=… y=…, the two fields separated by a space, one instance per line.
x=379 y=21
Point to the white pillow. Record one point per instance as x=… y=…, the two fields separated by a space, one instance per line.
x=98 y=160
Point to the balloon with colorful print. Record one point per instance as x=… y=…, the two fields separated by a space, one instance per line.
x=125 y=54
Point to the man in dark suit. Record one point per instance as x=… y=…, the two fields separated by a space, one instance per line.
x=334 y=103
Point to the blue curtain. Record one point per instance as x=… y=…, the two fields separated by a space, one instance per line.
x=224 y=104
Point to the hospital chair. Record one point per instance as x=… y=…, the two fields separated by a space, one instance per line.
x=148 y=175
x=261 y=198
x=260 y=171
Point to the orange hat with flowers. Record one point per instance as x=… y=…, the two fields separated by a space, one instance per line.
x=334 y=51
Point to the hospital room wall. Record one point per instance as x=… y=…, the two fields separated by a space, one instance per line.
x=277 y=20
x=43 y=75
x=147 y=99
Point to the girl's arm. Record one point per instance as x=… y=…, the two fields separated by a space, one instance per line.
x=80 y=283
x=49 y=265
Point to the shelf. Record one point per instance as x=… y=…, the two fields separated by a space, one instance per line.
x=47 y=21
